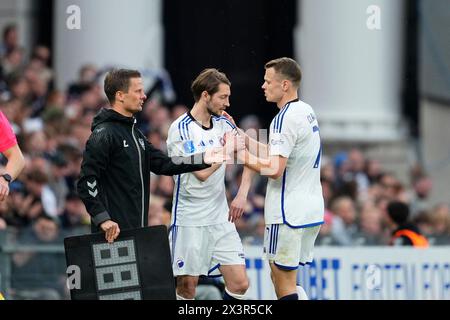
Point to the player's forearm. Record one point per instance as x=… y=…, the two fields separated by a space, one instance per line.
x=203 y=175
x=246 y=182
x=16 y=161
x=161 y=164
x=264 y=166
x=255 y=147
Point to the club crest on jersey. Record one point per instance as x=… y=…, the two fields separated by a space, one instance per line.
x=180 y=263
x=189 y=146
x=222 y=141
x=141 y=141
x=211 y=142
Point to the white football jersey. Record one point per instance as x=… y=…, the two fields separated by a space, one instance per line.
x=296 y=197
x=197 y=203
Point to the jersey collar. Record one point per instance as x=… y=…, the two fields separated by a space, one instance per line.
x=199 y=124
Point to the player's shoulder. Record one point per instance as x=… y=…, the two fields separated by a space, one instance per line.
x=181 y=119
x=300 y=111
x=300 y=107
x=179 y=122
x=223 y=121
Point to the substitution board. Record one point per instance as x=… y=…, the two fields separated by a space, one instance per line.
x=136 y=266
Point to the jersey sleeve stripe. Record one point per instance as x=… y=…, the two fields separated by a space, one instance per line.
x=282 y=117
x=180 y=125
x=226 y=120
x=229 y=123
x=275 y=124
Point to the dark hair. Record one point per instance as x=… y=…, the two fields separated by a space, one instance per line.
x=37 y=176
x=288 y=68
x=118 y=80
x=9 y=28
x=208 y=80
x=398 y=212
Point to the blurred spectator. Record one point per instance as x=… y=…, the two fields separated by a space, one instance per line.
x=344 y=226
x=86 y=76
x=327 y=190
x=257 y=226
x=440 y=216
x=43 y=198
x=419 y=198
x=57 y=182
x=10 y=39
x=404 y=232
x=326 y=237
x=39 y=275
x=370 y=226
x=424 y=222
x=373 y=170
x=390 y=186
x=19 y=88
x=75 y=215
x=356 y=171
x=13 y=61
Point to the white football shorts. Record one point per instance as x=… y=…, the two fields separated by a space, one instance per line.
x=201 y=250
x=288 y=247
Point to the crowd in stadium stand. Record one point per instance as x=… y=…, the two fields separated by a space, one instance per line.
x=52 y=127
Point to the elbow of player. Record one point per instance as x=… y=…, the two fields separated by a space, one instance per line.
x=201 y=177
x=21 y=162
x=276 y=175
x=273 y=173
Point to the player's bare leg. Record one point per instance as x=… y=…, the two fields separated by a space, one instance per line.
x=284 y=281
x=186 y=286
x=236 y=281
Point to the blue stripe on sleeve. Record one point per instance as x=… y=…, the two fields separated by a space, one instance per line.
x=187 y=128
x=180 y=125
x=282 y=117
x=275 y=125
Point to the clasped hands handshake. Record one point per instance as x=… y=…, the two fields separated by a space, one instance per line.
x=233 y=143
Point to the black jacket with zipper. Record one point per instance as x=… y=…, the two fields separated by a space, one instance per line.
x=114 y=181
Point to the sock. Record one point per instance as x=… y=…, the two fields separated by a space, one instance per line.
x=293 y=296
x=302 y=293
x=182 y=298
x=227 y=295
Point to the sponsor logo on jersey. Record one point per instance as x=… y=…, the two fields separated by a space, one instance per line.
x=276 y=142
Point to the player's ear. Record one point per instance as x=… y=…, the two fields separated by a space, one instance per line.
x=285 y=84
x=205 y=95
x=119 y=96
